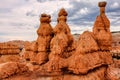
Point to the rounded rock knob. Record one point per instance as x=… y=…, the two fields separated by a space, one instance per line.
x=102 y=4
x=62 y=12
x=43 y=15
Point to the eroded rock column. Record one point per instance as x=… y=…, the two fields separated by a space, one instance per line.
x=45 y=34
x=101 y=29
x=63 y=42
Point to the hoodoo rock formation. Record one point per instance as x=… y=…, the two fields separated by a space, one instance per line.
x=101 y=29
x=37 y=52
x=91 y=51
x=62 y=41
x=61 y=46
x=45 y=34
x=59 y=57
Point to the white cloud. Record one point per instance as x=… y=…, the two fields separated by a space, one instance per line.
x=115 y=28
x=115 y=5
x=84 y=11
x=79 y=29
x=10 y=3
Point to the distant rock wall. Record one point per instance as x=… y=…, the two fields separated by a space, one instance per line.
x=9 y=52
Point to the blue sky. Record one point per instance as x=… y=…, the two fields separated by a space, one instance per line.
x=19 y=19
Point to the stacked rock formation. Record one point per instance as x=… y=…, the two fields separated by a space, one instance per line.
x=91 y=51
x=101 y=29
x=63 y=41
x=8 y=51
x=37 y=52
x=45 y=34
x=62 y=45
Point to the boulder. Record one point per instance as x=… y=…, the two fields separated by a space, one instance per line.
x=11 y=68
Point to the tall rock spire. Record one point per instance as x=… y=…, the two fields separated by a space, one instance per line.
x=101 y=29
x=102 y=6
x=45 y=34
x=63 y=38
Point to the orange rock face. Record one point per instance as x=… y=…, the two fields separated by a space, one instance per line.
x=113 y=71
x=9 y=58
x=87 y=43
x=41 y=57
x=45 y=33
x=11 y=68
x=30 y=51
x=9 y=52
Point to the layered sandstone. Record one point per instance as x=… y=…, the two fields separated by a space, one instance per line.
x=9 y=52
x=8 y=49
x=45 y=34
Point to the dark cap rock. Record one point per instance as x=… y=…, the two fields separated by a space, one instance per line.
x=102 y=4
x=62 y=12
